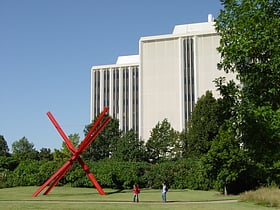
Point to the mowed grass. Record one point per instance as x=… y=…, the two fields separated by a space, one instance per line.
x=87 y=198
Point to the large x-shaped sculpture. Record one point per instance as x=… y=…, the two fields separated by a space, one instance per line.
x=101 y=121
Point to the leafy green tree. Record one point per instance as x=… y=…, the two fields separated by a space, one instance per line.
x=203 y=126
x=74 y=139
x=58 y=155
x=24 y=150
x=261 y=133
x=249 y=46
x=101 y=147
x=22 y=145
x=45 y=154
x=164 y=143
x=118 y=174
x=26 y=174
x=8 y=163
x=229 y=101
x=129 y=148
x=7 y=166
x=227 y=164
x=47 y=169
x=4 y=149
x=184 y=139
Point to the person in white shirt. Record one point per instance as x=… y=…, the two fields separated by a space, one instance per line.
x=163 y=193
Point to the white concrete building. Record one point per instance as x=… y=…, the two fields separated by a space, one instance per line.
x=164 y=81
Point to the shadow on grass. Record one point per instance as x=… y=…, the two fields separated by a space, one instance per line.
x=113 y=192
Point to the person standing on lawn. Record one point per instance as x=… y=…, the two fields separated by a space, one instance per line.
x=163 y=193
x=136 y=191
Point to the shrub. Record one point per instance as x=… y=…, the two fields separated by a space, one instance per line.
x=263 y=196
x=26 y=174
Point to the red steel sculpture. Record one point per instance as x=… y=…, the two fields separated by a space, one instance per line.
x=97 y=127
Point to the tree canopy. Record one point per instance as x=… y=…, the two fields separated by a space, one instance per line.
x=203 y=126
x=23 y=149
x=249 y=47
x=4 y=149
x=164 y=143
x=101 y=147
x=250 y=33
x=129 y=148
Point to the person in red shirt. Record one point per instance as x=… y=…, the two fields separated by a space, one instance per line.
x=136 y=191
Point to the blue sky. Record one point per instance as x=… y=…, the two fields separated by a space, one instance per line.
x=47 y=48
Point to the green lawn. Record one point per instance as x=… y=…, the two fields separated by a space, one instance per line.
x=88 y=198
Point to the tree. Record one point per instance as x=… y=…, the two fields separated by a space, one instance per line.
x=4 y=149
x=7 y=163
x=24 y=150
x=203 y=126
x=74 y=139
x=45 y=154
x=101 y=147
x=58 y=155
x=229 y=100
x=164 y=143
x=22 y=145
x=129 y=148
x=26 y=174
x=227 y=164
x=249 y=46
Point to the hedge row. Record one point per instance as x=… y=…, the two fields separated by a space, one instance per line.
x=118 y=175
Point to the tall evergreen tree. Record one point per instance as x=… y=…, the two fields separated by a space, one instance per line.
x=203 y=126
x=4 y=149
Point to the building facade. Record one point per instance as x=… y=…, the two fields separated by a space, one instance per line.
x=117 y=86
x=163 y=82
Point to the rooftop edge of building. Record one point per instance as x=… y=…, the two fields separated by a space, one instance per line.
x=192 y=29
x=196 y=27
x=184 y=29
x=128 y=59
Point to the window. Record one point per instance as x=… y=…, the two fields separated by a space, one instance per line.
x=188 y=76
